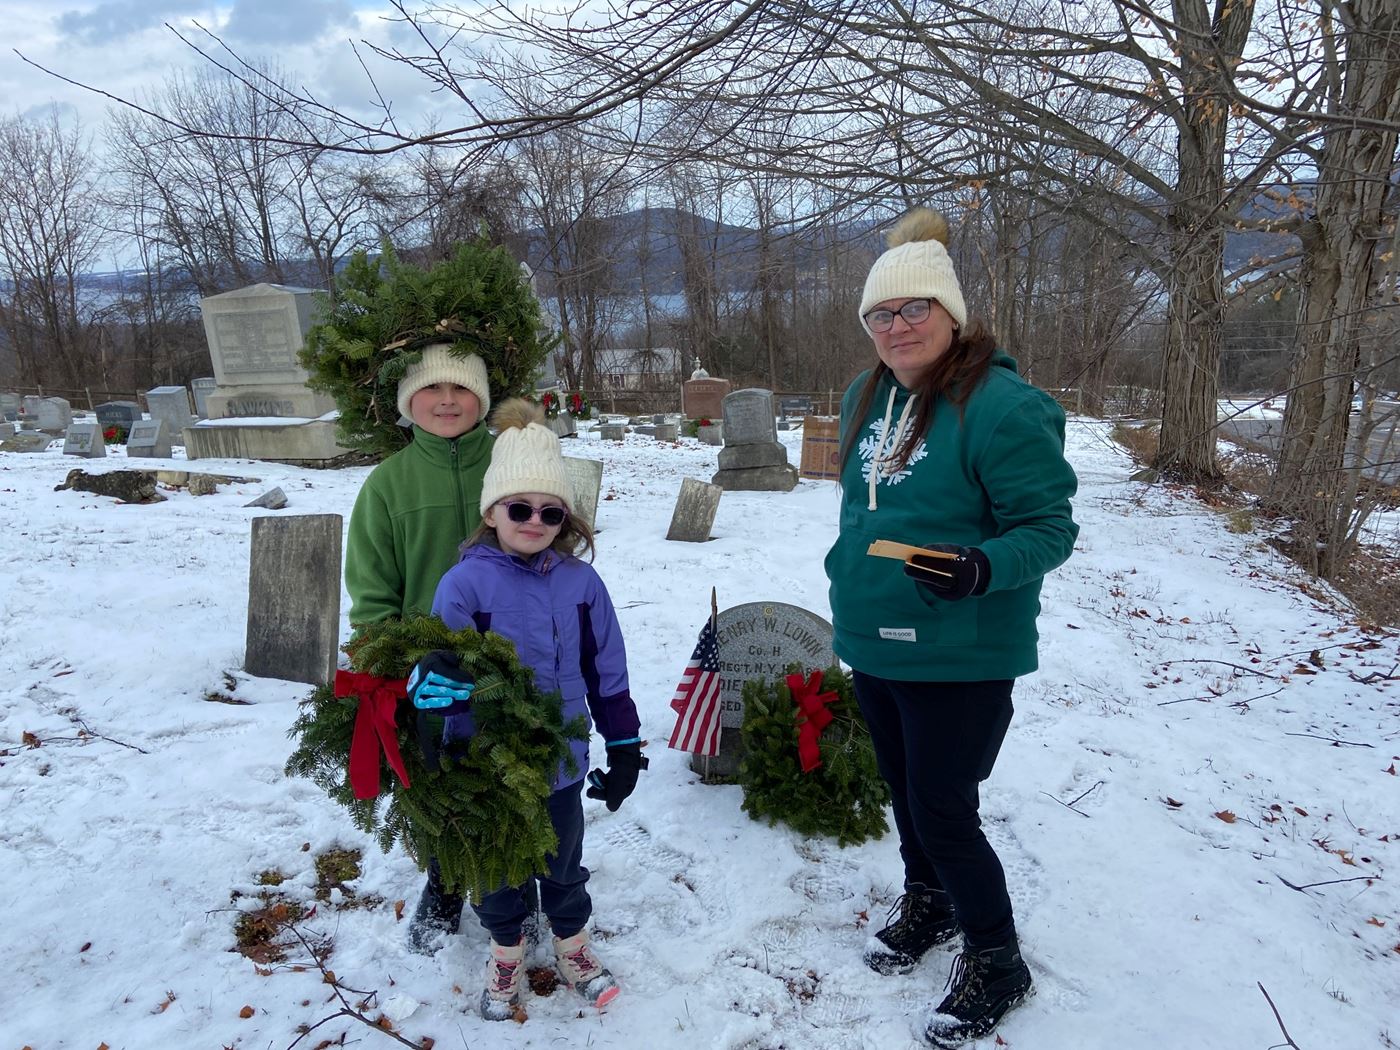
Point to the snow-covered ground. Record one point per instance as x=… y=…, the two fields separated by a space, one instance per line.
x=1198 y=797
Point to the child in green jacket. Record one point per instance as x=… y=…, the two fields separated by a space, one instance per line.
x=412 y=514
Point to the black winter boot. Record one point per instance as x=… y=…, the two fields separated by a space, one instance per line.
x=985 y=984
x=925 y=919
x=438 y=914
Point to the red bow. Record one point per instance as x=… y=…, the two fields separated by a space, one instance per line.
x=374 y=726
x=812 y=717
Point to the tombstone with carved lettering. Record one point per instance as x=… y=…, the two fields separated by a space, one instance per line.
x=85 y=439
x=261 y=407
x=171 y=404
x=149 y=438
x=752 y=458
x=759 y=640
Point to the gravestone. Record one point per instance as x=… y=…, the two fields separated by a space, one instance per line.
x=752 y=459
x=27 y=441
x=261 y=407
x=562 y=424
x=172 y=404
x=53 y=415
x=704 y=398
x=119 y=414
x=711 y=435
x=201 y=388
x=665 y=432
x=586 y=477
x=795 y=406
x=272 y=499
x=612 y=431
x=149 y=438
x=9 y=406
x=29 y=404
x=294 y=597
x=85 y=439
x=694 y=514
x=759 y=640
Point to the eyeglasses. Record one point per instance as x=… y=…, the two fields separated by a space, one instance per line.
x=914 y=311
x=520 y=512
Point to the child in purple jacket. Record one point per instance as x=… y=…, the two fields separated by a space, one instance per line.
x=520 y=577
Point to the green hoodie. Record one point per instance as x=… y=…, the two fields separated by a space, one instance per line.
x=996 y=479
x=413 y=512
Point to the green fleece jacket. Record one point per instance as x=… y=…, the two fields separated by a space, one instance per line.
x=410 y=517
x=996 y=479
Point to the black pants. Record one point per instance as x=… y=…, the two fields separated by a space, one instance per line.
x=934 y=743
x=563 y=892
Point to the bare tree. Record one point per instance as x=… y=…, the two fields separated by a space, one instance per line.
x=50 y=234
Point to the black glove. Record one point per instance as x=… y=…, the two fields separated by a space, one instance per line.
x=968 y=573
x=625 y=761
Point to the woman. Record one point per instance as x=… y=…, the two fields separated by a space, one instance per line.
x=944 y=446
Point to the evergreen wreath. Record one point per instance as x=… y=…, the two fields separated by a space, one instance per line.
x=381 y=313
x=844 y=797
x=483 y=814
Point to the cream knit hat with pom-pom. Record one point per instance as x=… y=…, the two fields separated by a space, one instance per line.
x=440 y=365
x=525 y=458
x=915 y=266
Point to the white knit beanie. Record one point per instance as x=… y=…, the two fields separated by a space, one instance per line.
x=525 y=458
x=440 y=365
x=915 y=266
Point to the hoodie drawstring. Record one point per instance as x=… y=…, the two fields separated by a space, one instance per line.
x=877 y=461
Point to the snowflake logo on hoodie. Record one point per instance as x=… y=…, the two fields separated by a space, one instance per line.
x=872 y=451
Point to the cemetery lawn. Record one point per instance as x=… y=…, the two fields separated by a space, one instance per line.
x=1198 y=804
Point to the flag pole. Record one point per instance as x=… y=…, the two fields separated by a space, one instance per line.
x=714 y=621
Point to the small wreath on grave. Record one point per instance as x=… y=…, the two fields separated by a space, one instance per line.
x=578 y=405
x=114 y=435
x=550 y=403
x=808 y=757
x=481 y=809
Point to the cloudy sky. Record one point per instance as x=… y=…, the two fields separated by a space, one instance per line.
x=124 y=47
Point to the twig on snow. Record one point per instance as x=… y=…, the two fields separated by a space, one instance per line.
x=1288 y=1039
x=1227 y=663
x=1070 y=805
x=1334 y=741
x=1328 y=882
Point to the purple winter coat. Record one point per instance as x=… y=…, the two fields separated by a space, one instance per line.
x=557 y=612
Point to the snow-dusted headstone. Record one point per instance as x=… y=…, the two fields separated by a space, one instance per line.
x=53 y=414
x=9 y=406
x=149 y=437
x=665 y=432
x=172 y=404
x=85 y=439
x=612 y=431
x=294 y=597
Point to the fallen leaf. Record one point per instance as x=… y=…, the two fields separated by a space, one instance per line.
x=246 y=1012
x=1391 y=770
x=398 y=911
x=29 y=739
x=1173 y=803
x=1373 y=921
x=328 y=977
x=85 y=947
x=427 y=1043
x=1300 y=811
x=1315 y=658
x=1225 y=815
x=164 y=1004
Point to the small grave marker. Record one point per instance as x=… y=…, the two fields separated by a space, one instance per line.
x=85 y=439
x=294 y=597
x=694 y=516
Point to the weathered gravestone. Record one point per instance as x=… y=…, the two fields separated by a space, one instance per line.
x=149 y=438
x=272 y=499
x=26 y=441
x=713 y=434
x=172 y=404
x=752 y=459
x=294 y=597
x=9 y=406
x=85 y=439
x=53 y=415
x=586 y=477
x=201 y=388
x=29 y=404
x=121 y=414
x=665 y=432
x=694 y=516
x=759 y=640
x=613 y=431
x=261 y=407
x=562 y=424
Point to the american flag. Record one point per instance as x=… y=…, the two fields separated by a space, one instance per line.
x=696 y=702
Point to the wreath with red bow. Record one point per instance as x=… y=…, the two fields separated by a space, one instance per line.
x=808 y=757
x=481 y=809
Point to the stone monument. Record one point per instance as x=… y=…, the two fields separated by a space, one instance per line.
x=148 y=438
x=261 y=407
x=752 y=458
x=759 y=640
x=53 y=415
x=703 y=397
x=586 y=477
x=85 y=439
x=119 y=414
x=294 y=597
x=172 y=405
